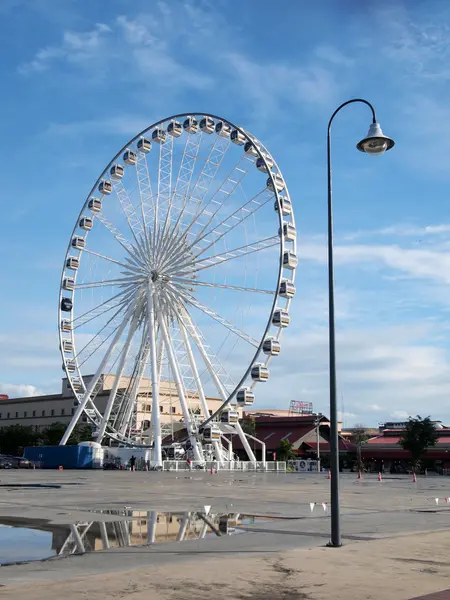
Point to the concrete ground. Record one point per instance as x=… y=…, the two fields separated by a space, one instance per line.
x=396 y=537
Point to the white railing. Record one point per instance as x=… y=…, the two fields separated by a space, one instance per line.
x=232 y=465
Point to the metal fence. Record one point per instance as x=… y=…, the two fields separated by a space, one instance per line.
x=232 y=465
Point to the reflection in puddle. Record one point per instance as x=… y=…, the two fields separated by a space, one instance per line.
x=31 y=540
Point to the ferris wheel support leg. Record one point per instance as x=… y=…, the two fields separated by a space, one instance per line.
x=159 y=359
x=152 y=519
x=157 y=451
x=95 y=379
x=119 y=372
x=198 y=453
x=183 y=527
x=218 y=384
x=245 y=443
x=201 y=393
x=134 y=391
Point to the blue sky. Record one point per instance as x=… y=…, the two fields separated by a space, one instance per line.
x=80 y=79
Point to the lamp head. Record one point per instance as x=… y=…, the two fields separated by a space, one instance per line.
x=375 y=143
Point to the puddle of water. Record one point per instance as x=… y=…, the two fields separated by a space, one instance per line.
x=28 y=540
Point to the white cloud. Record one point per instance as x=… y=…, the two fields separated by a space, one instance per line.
x=272 y=84
x=427 y=264
x=399 y=414
x=19 y=390
x=76 y=48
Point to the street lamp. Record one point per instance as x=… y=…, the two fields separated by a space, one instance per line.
x=375 y=143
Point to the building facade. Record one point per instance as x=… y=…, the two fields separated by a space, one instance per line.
x=42 y=411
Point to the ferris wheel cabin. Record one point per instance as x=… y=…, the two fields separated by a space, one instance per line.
x=281 y=318
x=68 y=283
x=129 y=157
x=290 y=260
x=159 y=136
x=66 y=304
x=277 y=180
x=72 y=262
x=86 y=223
x=190 y=125
x=117 y=171
x=78 y=242
x=66 y=325
x=289 y=232
x=259 y=372
x=251 y=149
x=286 y=206
x=76 y=384
x=229 y=416
x=207 y=125
x=223 y=129
x=287 y=289
x=95 y=205
x=69 y=366
x=175 y=129
x=237 y=137
x=271 y=346
x=260 y=165
x=245 y=397
x=144 y=145
x=211 y=433
x=67 y=346
x=105 y=187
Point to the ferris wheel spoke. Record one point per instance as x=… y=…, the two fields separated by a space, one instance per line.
x=87 y=397
x=164 y=186
x=223 y=194
x=98 y=339
x=232 y=221
x=110 y=282
x=214 y=315
x=119 y=370
x=142 y=360
x=117 y=235
x=134 y=223
x=108 y=258
x=193 y=267
x=103 y=305
x=238 y=288
x=181 y=190
x=146 y=198
x=120 y=304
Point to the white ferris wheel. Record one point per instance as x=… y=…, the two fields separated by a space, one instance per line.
x=176 y=285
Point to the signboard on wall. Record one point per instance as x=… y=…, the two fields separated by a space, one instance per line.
x=300 y=408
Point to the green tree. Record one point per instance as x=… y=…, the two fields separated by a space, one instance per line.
x=14 y=438
x=419 y=435
x=51 y=435
x=359 y=438
x=248 y=426
x=285 y=450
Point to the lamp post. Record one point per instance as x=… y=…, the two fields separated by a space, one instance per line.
x=375 y=143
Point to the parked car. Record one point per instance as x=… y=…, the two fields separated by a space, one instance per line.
x=14 y=462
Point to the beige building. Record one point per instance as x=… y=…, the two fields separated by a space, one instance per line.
x=41 y=411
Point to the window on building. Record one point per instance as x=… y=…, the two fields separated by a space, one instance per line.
x=43 y=413
x=210 y=412
x=17 y=415
x=161 y=408
x=84 y=419
x=0 y=415
x=53 y=412
x=173 y=409
x=7 y=415
x=34 y=413
x=148 y=408
x=25 y=414
x=73 y=411
x=62 y=412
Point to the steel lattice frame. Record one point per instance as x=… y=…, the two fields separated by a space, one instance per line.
x=162 y=249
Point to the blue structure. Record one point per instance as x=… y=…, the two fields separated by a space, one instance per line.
x=68 y=457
